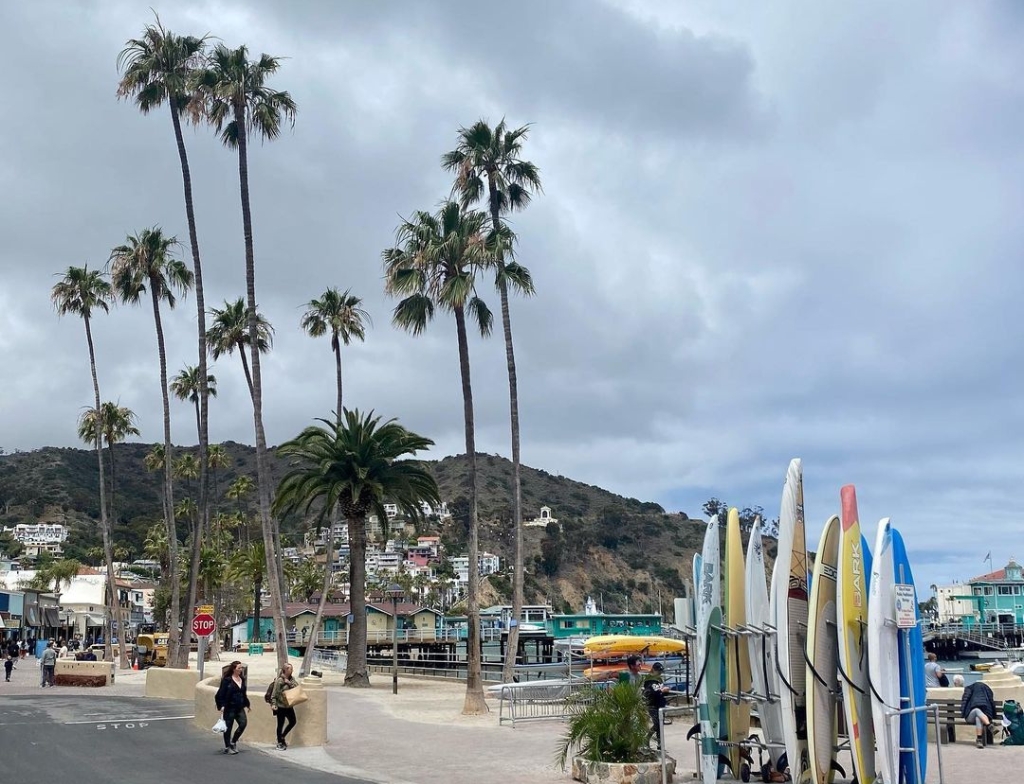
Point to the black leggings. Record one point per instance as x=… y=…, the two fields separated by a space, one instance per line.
x=282 y=714
x=232 y=716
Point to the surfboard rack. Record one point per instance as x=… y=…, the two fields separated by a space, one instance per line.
x=894 y=715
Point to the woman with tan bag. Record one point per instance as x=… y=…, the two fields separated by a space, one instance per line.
x=284 y=708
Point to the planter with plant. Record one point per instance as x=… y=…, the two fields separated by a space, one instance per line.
x=608 y=738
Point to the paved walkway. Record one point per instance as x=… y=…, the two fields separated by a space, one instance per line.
x=420 y=736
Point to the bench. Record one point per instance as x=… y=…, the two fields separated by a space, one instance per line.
x=950 y=720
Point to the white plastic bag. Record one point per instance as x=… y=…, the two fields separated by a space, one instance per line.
x=220 y=727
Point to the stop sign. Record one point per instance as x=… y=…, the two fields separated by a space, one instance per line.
x=203 y=625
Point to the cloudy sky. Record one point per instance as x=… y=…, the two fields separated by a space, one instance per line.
x=765 y=232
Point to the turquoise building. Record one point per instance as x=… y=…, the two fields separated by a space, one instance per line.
x=998 y=597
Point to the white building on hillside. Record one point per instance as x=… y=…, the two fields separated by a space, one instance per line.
x=41 y=537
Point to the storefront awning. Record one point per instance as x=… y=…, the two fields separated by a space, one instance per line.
x=51 y=617
x=31 y=615
x=2 y=625
x=93 y=620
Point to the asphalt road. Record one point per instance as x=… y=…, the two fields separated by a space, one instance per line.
x=95 y=740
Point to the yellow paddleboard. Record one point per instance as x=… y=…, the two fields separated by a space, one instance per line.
x=737 y=652
x=624 y=644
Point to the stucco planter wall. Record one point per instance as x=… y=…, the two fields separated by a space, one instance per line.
x=69 y=672
x=621 y=772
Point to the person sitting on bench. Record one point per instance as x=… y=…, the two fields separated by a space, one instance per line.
x=978 y=707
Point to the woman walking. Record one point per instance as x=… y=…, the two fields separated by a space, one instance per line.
x=233 y=702
x=281 y=708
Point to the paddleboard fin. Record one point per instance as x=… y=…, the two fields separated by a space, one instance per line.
x=694 y=731
x=838 y=768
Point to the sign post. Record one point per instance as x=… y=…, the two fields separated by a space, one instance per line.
x=203 y=625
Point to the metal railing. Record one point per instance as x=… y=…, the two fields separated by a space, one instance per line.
x=536 y=700
x=381 y=636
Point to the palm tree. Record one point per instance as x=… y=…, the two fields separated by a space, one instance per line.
x=239 y=103
x=248 y=567
x=341 y=315
x=354 y=464
x=434 y=266
x=79 y=292
x=155 y=546
x=238 y=491
x=230 y=331
x=118 y=423
x=187 y=386
x=216 y=459
x=492 y=155
x=146 y=261
x=161 y=67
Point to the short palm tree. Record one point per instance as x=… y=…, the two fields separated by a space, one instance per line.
x=239 y=103
x=79 y=292
x=607 y=725
x=161 y=68
x=488 y=167
x=146 y=262
x=434 y=265
x=230 y=331
x=248 y=567
x=187 y=386
x=355 y=464
x=339 y=314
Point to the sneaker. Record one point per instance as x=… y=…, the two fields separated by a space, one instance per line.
x=284 y=745
x=233 y=749
x=227 y=749
x=280 y=746
x=979 y=743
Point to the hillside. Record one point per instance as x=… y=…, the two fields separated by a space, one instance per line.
x=627 y=551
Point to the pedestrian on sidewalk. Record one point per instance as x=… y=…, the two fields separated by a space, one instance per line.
x=280 y=707
x=49 y=662
x=232 y=702
x=8 y=666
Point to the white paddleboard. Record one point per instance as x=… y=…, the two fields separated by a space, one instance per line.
x=822 y=657
x=709 y=635
x=883 y=656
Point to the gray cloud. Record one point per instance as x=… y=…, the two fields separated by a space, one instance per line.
x=766 y=232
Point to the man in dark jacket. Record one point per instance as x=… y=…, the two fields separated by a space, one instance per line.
x=655 y=695
x=978 y=707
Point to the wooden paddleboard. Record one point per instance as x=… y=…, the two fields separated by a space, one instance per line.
x=737 y=653
x=709 y=622
x=822 y=656
x=913 y=727
x=761 y=646
x=883 y=656
x=852 y=619
x=788 y=600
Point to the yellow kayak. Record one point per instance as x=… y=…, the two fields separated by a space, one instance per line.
x=625 y=644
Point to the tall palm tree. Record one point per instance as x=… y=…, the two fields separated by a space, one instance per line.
x=216 y=459
x=434 y=265
x=160 y=68
x=249 y=567
x=146 y=262
x=230 y=331
x=239 y=104
x=118 y=422
x=238 y=491
x=491 y=157
x=354 y=464
x=79 y=292
x=340 y=314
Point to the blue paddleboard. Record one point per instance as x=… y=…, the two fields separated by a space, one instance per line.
x=912 y=686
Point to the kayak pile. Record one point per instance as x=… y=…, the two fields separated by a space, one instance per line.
x=837 y=645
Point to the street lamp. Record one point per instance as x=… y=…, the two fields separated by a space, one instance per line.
x=394 y=592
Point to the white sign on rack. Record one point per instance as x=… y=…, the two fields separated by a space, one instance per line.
x=906 y=609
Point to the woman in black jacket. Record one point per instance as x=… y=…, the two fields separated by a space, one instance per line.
x=978 y=707
x=232 y=702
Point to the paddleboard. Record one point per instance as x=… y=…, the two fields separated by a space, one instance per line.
x=822 y=656
x=852 y=619
x=606 y=645
x=883 y=656
x=912 y=685
x=788 y=603
x=761 y=646
x=709 y=622
x=737 y=654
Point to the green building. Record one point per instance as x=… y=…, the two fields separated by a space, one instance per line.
x=998 y=597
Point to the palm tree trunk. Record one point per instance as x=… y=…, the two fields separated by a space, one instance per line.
x=256 y=606
x=204 y=389
x=337 y=364
x=271 y=536
x=307 y=658
x=355 y=670
x=512 y=643
x=108 y=548
x=117 y=611
x=198 y=531
x=474 y=703
x=172 y=533
x=245 y=369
